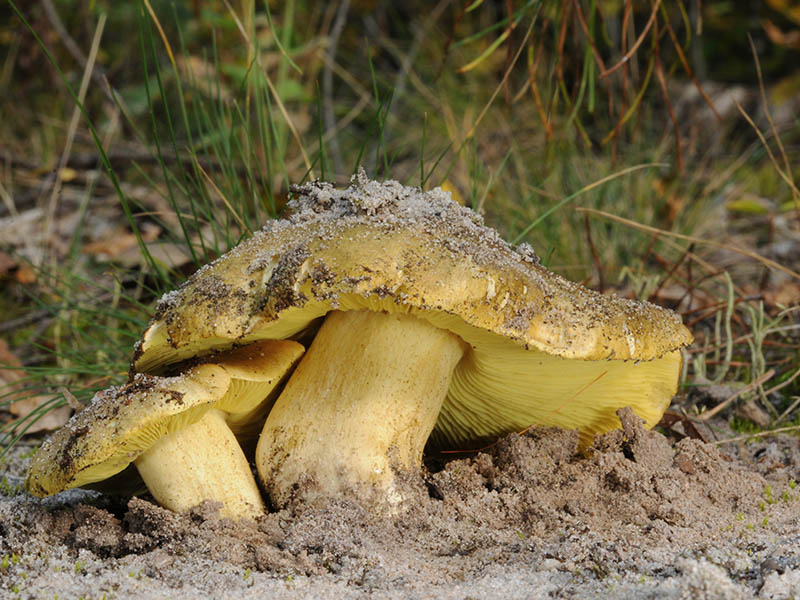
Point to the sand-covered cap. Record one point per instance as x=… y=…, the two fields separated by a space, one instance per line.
x=377 y=244
x=120 y=424
x=180 y=432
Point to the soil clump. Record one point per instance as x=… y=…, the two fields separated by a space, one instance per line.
x=635 y=516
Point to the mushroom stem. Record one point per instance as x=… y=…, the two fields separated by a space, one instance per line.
x=360 y=405
x=202 y=461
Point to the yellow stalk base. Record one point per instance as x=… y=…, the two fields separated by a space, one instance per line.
x=201 y=462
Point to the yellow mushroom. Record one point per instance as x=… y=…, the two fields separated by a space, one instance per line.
x=180 y=432
x=435 y=330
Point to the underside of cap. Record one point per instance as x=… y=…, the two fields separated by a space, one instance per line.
x=502 y=386
x=493 y=394
x=257 y=372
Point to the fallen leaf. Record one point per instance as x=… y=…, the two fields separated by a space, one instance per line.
x=787 y=294
x=752 y=412
x=25 y=274
x=789 y=39
x=10 y=365
x=789 y=9
x=11 y=374
x=750 y=204
x=448 y=186
x=110 y=247
x=7 y=264
x=668 y=421
x=203 y=75
x=167 y=254
x=51 y=420
x=120 y=242
x=16 y=230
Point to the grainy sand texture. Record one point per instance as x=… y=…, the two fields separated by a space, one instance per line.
x=638 y=516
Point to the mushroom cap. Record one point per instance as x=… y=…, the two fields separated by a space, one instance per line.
x=121 y=423
x=386 y=247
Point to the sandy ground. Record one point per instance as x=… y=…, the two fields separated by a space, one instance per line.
x=640 y=516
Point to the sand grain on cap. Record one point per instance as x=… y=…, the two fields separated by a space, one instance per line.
x=384 y=240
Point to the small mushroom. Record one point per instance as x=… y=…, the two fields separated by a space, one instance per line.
x=435 y=330
x=180 y=432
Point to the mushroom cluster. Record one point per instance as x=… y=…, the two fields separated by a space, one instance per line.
x=373 y=322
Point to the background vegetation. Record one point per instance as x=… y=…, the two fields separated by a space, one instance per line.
x=644 y=148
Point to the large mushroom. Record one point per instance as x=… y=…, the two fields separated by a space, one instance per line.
x=180 y=432
x=435 y=330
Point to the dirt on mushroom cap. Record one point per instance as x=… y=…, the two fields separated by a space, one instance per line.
x=333 y=249
x=120 y=423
